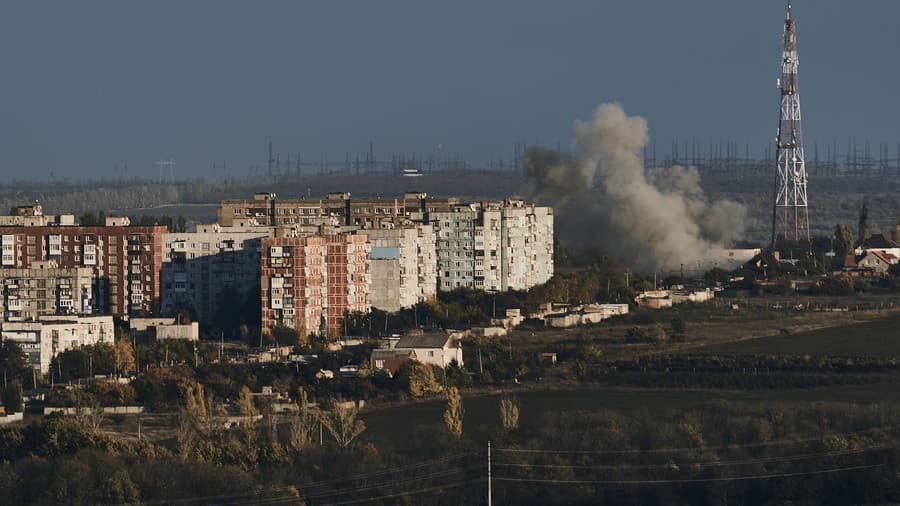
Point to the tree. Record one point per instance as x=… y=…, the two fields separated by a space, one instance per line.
x=453 y=415
x=342 y=424
x=843 y=241
x=418 y=378
x=124 y=355
x=301 y=423
x=509 y=413
x=12 y=397
x=13 y=361
x=89 y=412
x=245 y=403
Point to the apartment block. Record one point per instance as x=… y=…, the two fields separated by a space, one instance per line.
x=124 y=260
x=44 y=289
x=494 y=245
x=402 y=266
x=335 y=209
x=310 y=282
x=43 y=340
x=200 y=268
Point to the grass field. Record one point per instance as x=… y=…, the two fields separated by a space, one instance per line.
x=879 y=338
x=482 y=413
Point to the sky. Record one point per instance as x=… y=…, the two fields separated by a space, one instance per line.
x=90 y=85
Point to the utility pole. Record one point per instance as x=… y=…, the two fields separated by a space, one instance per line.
x=489 y=473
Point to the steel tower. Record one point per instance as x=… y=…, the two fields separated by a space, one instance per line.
x=790 y=214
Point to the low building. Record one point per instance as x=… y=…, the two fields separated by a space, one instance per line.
x=512 y=319
x=682 y=295
x=434 y=348
x=164 y=328
x=43 y=340
x=876 y=261
x=886 y=242
x=654 y=299
x=389 y=361
x=562 y=320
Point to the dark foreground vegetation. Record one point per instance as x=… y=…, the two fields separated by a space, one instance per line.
x=814 y=453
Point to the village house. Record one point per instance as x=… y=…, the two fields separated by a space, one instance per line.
x=388 y=361
x=876 y=260
x=434 y=348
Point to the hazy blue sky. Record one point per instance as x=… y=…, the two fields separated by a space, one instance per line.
x=87 y=85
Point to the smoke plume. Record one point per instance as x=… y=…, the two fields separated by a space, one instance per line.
x=604 y=197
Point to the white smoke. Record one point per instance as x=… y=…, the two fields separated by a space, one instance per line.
x=605 y=197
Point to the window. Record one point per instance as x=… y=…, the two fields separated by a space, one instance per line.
x=430 y=353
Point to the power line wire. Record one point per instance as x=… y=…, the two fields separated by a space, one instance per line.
x=438 y=474
x=412 y=492
x=691 y=480
x=779 y=458
x=708 y=448
x=315 y=484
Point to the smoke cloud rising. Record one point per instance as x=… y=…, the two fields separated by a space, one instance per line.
x=604 y=197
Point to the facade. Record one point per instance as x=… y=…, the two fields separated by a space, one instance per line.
x=402 y=266
x=876 y=261
x=200 y=268
x=43 y=340
x=347 y=283
x=44 y=289
x=389 y=361
x=124 y=260
x=164 y=328
x=494 y=246
x=310 y=282
x=266 y=209
x=439 y=349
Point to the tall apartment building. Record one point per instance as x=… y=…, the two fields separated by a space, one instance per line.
x=494 y=246
x=125 y=260
x=200 y=268
x=44 y=289
x=335 y=209
x=402 y=266
x=310 y=282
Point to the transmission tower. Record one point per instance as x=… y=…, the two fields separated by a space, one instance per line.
x=790 y=214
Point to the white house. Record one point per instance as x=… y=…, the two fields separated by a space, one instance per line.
x=438 y=348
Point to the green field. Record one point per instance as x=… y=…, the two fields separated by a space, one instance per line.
x=482 y=413
x=880 y=338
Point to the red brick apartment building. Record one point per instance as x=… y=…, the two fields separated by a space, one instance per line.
x=309 y=283
x=125 y=260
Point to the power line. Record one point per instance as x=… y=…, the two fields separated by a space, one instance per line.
x=314 y=484
x=780 y=458
x=708 y=448
x=693 y=480
x=438 y=474
x=412 y=492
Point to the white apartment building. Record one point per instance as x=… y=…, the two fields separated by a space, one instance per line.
x=402 y=267
x=43 y=340
x=494 y=246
